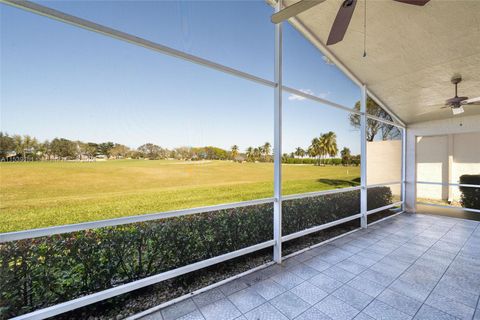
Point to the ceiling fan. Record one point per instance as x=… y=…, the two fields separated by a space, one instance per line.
x=456 y=103
x=342 y=20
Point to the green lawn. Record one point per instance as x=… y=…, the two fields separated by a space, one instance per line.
x=41 y=194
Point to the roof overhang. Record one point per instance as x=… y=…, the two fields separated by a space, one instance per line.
x=412 y=52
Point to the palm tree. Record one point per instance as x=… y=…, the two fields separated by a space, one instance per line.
x=317 y=148
x=250 y=154
x=299 y=152
x=346 y=156
x=267 y=150
x=257 y=153
x=234 y=151
x=330 y=144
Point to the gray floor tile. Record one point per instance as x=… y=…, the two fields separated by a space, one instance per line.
x=400 y=302
x=366 y=262
x=477 y=315
x=336 y=308
x=153 y=316
x=309 y=292
x=457 y=294
x=450 y=306
x=351 y=266
x=254 y=277
x=372 y=255
x=352 y=296
x=382 y=311
x=246 y=300
x=335 y=256
x=379 y=277
x=325 y=283
x=318 y=264
x=290 y=304
x=272 y=270
x=265 y=312
x=366 y=286
x=287 y=279
x=313 y=314
x=232 y=286
x=339 y=274
x=304 y=256
x=195 y=315
x=410 y=290
x=363 y=316
x=268 y=289
x=303 y=271
x=179 y=309
x=221 y=309
x=208 y=297
x=429 y=313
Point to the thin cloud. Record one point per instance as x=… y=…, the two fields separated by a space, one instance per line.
x=294 y=97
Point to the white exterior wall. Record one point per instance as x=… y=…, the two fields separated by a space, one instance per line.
x=463 y=156
x=384 y=161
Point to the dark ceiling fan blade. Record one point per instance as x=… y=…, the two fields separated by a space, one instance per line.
x=456 y=100
x=414 y=2
x=294 y=9
x=342 y=20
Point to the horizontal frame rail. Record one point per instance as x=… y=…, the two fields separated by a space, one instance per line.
x=318 y=99
x=318 y=193
x=450 y=184
x=396 y=204
x=447 y=206
x=383 y=184
x=124 y=288
x=385 y=121
x=41 y=232
x=319 y=228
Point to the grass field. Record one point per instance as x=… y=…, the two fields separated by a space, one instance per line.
x=41 y=194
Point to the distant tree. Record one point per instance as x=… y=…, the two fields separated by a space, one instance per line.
x=105 y=148
x=257 y=153
x=91 y=149
x=299 y=152
x=7 y=144
x=267 y=149
x=119 y=151
x=330 y=143
x=250 y=154
x=63 y=148
x=150 y=151
x=346 y=156
x=234 y=151
x=375 y=128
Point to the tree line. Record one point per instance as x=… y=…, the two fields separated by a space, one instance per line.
x=322 y=150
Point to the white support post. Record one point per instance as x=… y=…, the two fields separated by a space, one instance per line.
x=363 y=157
x=277 y=145
x=404 y=158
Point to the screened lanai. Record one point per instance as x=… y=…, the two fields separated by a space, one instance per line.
x=384 y=225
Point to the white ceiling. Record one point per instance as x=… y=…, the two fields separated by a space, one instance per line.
x=412 y=51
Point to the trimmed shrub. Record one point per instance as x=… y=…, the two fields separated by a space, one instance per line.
x=36 y=273
x=470 y=197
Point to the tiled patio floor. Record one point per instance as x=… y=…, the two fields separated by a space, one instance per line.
x=407 y=267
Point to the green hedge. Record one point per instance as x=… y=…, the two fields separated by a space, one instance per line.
x=470 y=197
x=37 y=273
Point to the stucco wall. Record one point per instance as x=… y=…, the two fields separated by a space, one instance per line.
x=466 y=141
x=384 y=161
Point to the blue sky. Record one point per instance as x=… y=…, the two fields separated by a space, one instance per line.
x=62 y=81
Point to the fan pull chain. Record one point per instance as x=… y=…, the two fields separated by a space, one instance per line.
x=365 y=29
